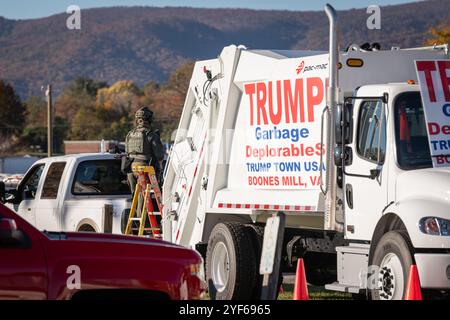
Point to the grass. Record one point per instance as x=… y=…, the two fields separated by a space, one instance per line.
x=315 y=293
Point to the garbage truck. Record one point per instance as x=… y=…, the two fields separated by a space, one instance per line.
x=336 y=140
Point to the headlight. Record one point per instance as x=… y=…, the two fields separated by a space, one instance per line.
x=198 y=270
x=435 y=226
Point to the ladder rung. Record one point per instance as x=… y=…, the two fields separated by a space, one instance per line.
x=135 y=219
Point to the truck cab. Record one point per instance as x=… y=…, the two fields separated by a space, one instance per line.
x=388 y=164
x=85 y=192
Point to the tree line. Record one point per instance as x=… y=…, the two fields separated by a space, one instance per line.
x=89 y=110
x=93 y=110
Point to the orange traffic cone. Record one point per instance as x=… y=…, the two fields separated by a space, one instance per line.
x=301 y=287
x=281 y=290
x=413 y=291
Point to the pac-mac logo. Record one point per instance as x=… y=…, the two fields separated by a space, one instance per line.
x=300 y=67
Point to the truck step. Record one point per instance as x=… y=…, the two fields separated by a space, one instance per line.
x=336 y=286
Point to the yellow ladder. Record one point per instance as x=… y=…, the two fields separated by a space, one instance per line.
x=147 y=184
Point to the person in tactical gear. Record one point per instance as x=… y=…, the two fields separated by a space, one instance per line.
x=143 y=147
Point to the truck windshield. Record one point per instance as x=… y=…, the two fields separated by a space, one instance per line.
x=413 y=151
x=100 y=177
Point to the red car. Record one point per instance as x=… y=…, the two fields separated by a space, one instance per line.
x=42 y=265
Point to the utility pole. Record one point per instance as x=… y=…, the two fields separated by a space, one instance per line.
x=48 y=93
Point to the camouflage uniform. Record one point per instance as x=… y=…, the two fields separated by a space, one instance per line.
x=144 y=147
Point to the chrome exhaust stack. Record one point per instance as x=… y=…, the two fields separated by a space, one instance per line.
x=332 y=102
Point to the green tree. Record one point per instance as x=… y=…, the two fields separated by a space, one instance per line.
x=86 y=124
x=12 y=116
x=12 y=111
x=86 y=85
x=34 y=135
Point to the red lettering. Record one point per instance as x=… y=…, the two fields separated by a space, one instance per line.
x=314 y=100
x=275 y=118
x=427 y=67
x=320 y=149
x=250 y=90
x=433 y=128
x=261 y=95
x=294 y=104
x=263 y=181
x=309 y=151
x=443 y=67
x=442 y=159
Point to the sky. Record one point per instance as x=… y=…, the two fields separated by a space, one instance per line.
x=29 y=9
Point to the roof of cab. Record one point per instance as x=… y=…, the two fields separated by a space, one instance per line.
x=80 y=157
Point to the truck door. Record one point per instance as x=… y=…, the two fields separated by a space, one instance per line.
x=23 y=270
x=27 y=191
x=48 y=211
x=365 y=198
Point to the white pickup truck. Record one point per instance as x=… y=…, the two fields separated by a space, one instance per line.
x=83 y=192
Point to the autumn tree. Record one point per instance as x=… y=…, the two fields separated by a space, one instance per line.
x=439 y=35
x=86 y=124
x=115 y=107
x=80 y=93
x=121 y=97
x=168 y=102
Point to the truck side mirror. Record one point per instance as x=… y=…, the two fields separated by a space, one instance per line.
x=10 y=235
x=345 y=152
x=374 y=173
x=344 y=123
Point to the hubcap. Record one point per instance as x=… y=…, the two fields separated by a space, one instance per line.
x=220 y=266
x=390 y=278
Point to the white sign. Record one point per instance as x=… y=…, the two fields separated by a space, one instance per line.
x=282 y=116
x=269 y=245
x=434 y=79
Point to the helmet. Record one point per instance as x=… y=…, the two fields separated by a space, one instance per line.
x=144 y=113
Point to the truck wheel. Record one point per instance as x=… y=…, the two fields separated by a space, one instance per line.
x=393 y=258
x=86 y=228
x=256 y=233
x=231 y=269
x=257 y=236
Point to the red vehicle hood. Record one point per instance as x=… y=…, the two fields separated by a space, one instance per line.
x=96 y=244
x=114 y=238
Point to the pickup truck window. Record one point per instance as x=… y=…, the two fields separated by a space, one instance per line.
x=52 y=180
x=100 y=177
x=413 y=150
x=369 y=124
x=29 y=187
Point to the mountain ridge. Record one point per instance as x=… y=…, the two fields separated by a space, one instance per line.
x=148 y=43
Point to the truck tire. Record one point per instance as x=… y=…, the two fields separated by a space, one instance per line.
x=231 y=270
x=393 y=257
x=257 y=236
x=256 y=233
x=86 y=228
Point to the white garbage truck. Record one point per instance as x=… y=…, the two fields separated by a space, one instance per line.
x=337 y=141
